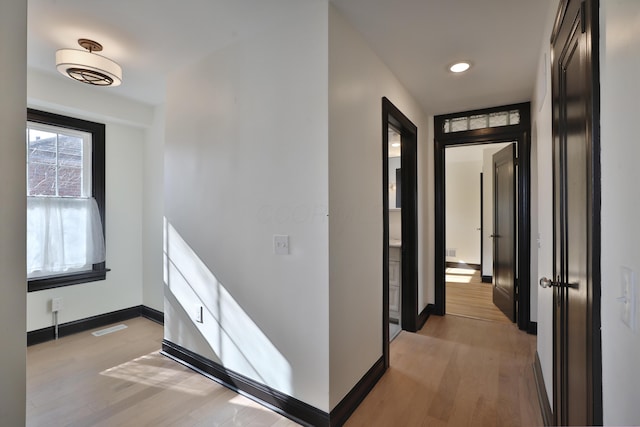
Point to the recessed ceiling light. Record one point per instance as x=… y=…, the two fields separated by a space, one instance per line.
x=459 y=67
x=395 y=144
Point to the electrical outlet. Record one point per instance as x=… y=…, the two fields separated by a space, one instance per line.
x=281 y=244
x=56 y=304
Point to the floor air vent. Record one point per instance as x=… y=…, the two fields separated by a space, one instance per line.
x=106 y=331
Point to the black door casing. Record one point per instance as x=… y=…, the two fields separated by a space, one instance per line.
x=577 y=369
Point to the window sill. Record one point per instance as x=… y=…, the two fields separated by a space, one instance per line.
x=51 y=282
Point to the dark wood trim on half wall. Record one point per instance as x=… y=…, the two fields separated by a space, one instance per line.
x=48 y=334
x=424 y=315
x=275 y=400
x=343 y=410
x=543 y=397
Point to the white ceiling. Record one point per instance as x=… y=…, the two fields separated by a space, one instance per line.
x=148 y=38
x=417 y=39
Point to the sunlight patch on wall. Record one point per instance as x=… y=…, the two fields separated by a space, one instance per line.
x=230 y=332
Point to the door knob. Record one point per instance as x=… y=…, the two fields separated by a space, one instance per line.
x=546 y=283
x=494 y=235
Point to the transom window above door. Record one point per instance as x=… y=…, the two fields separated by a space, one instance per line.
x=481 y=121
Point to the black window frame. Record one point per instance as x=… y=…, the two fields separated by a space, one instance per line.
x=97 y=131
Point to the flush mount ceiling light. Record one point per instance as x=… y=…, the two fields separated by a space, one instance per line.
x=459 y=67
x=88 y=67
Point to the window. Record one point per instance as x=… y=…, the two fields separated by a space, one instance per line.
x=481 y=121
x=65 y=201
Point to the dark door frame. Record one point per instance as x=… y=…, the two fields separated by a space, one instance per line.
x=391 y=115
x=521 y=134
x=586 y=14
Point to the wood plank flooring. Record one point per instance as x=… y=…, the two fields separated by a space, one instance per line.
x=120 y=379
x=455 y=372
x=467 y=296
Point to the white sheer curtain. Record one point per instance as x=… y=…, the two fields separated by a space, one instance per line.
x=63 y=235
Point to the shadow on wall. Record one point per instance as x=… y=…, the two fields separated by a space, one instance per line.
x=237 y=342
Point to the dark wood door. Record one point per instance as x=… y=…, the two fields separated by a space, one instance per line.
x=504 y=231
x=573 y=211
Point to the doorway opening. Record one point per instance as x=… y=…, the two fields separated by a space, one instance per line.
x=394 y=183
x=505 y=124
x=469 y=200
x=400 y=225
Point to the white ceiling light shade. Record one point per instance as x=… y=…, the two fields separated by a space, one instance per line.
x=88 y=67
x=460 y=67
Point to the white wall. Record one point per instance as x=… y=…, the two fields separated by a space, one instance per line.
x=152 y=212
x=542 y=140
x=395 y=224
x=533 y=210
x=462 y=206
x=246 y=159
x=357 y=82
x=125 y=166
x=620 y=151
x=13 y=282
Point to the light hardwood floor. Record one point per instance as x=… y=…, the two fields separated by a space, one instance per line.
x=456 y=371
x=467 y=296
x=120 y=379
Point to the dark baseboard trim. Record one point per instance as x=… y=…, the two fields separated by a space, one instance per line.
x=343 y=410
x=275 y=400
x=487 y=279
x=424 y=315
x=152 y=314
x=48 y=334
x=462 y=265
x=543 y=398
x=533 y=328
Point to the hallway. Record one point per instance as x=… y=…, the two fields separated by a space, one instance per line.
x=456 y=372
x=468 y=296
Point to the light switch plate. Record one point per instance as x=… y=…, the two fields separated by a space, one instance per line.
x=281 y=244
